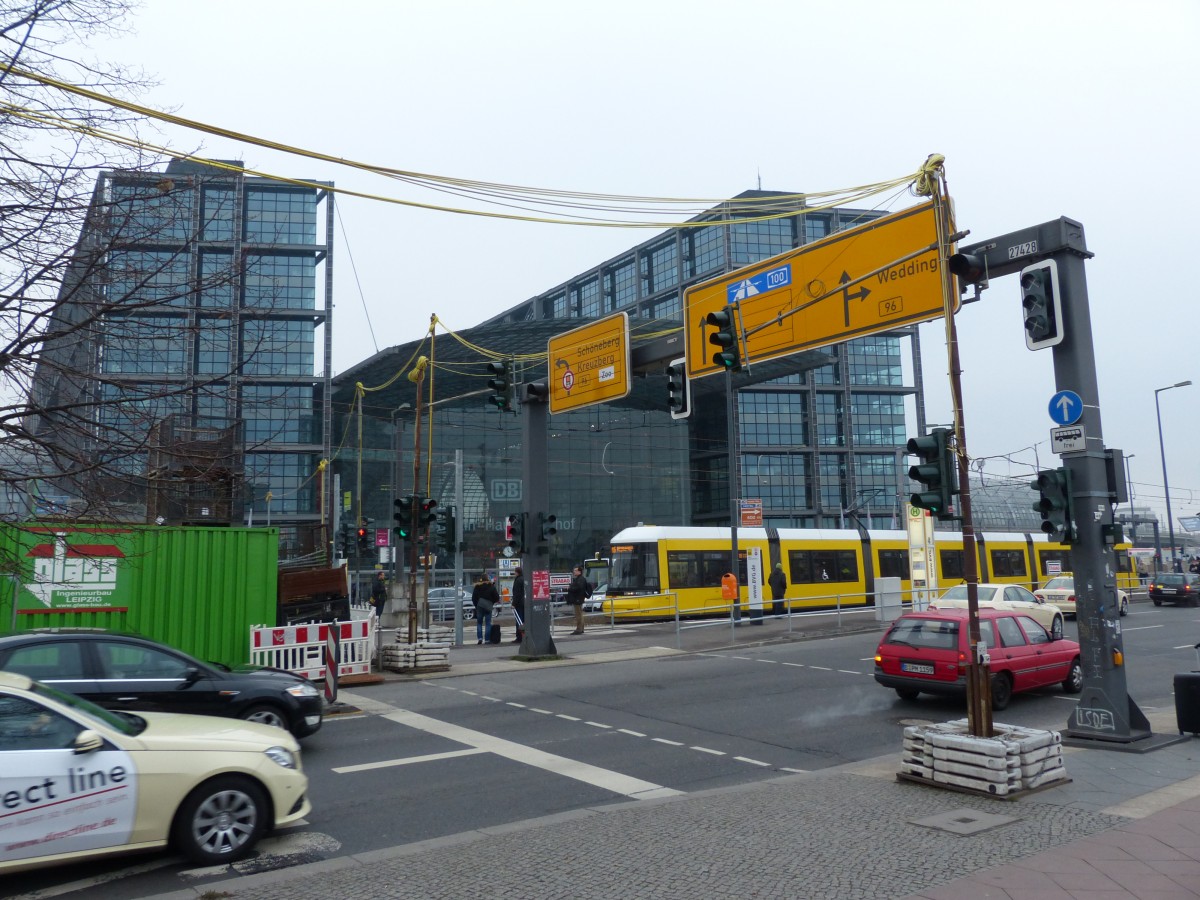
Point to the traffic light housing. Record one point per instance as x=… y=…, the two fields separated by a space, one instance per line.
x=403 y=516
x=363 y=535
x=1042 y=305
x=725 y=337
x=425 y=513
x=1058 y=520
x=501 y=383
x=935 y=472
x=679 y=390
x=548 y=526
x=445 y=531
x=514 y=532
x=348 y=540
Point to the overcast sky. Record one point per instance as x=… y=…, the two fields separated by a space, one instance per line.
x=1042 y=109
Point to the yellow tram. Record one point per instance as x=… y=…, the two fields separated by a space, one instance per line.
x=652 y=567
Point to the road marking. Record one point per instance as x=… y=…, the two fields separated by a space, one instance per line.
x=517 y=705
x=544 y=712
x=408 y=760
x=768 y=660
x=597 y=724
x=707 y=750
x=822 y=668
x=849 y=672
x=665 y=741
x=1181 y=646
x=744 y=658
x=753 y=762
x=797 y=665
x=633 y=733
x=1141 y=627
x=795 y=771
x=493 y=699
x=472 y=693
x=568 y=718
x=605 y=779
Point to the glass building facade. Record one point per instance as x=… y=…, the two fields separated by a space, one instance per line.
x=215 y=295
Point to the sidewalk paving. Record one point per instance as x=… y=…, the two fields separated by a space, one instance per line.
x=1126 y=825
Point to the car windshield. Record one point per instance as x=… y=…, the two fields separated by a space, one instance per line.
x=90 y=710
x=959 y=592
x=1168 y=578
x=938 y=634
x=1061 y=583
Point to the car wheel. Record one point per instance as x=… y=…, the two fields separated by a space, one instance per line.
x=1001 y=691
x=908 y=693
x=264 y=715
x=1124 y=606
x=221 y=820
x=1056 y=628
x=1156 y=601
x=1073 y=683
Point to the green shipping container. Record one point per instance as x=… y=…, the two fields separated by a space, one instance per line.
x=198 y=589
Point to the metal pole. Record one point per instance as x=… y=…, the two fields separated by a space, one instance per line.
x=1163 y=453
x=412 y=553
x=458 y=533
x=1129 y=489
x=735 y=610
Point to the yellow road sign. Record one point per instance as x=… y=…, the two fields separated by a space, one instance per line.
x=873 y=278
x=589 y=364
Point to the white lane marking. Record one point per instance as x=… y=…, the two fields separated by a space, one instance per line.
x=707 y=750
x=1181 y=646
x=797 y=665
x=568 y=718
x=822 y=668
x=597 y=724
x=544 y=712
x=745 y=658
x=409 y=760
x=472 y=693
x=493 y=699
x=768 y=660
x=605 y=779
x=665 y=741
x=633 y=733
x=849 y=672
x=1141 y=627
x=517 y=705
x=796 y=771
x=753 y=762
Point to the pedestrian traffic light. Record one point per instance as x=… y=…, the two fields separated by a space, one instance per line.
x=348 y=540
x=445 y=531
x=1054 y=486
x=425 y=513
x=548 y=526
x=935 y=472
x=679 y=390
x=726 y=338
x=363 y=535
x=1042 y=304
x=514 y=532
x=501 y=383
x=403 y=517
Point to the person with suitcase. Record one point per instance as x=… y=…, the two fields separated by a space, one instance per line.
x=484 y=598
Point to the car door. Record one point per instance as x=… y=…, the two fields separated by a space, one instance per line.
x=1020 y=600
x=1014 y=654
x=136 y=676
x=1052 y=659
x=63 y=663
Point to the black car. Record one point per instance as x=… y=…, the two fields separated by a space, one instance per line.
x=121 y=671
x=1175 y=587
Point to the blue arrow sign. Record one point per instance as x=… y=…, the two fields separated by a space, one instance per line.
x=1066 y=408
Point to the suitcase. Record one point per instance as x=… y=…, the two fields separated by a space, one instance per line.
x=494 y=634
x=1187 y=700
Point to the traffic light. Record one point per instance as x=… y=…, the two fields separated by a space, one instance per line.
x=935 y=472
x=679 y=390
x=445 y=531
x=514 y=532
x=548 y=525
x=364 y=539
x=501 y=383
x=1054 y=504
x=403 y=517
x=726 y=338
x=348 y=540
x=1042 y=304
x=425 y=513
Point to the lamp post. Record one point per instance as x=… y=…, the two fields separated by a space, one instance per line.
x=1129 y=490
x=1162 y=452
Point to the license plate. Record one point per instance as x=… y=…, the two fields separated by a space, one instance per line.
x=1168 y=590
x=917 y=668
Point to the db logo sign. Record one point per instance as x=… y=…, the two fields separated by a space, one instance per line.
x=506 y=489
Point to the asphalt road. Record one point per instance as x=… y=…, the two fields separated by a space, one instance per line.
x=438 y=757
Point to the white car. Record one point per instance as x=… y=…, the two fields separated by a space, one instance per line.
x=1006 y=596
x=79 y=781
x=1059 y=592
x=595 y=603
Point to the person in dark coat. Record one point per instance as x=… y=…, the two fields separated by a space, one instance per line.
x=518 y=604
x=379 y=593
x=578 y=591
x=484 y=597
x=778 y=584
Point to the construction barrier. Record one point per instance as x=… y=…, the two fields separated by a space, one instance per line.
x=301 y=648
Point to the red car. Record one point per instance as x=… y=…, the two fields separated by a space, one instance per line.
x=928 y=652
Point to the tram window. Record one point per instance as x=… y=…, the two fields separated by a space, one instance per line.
x=820 y=566
x=1008 y=563
x=634 y=568
x=952 y=563
x=893 y=564
x=1062 y=557
x=701 y=568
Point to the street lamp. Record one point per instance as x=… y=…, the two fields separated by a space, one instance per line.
x=1162 y=451
x=1129 y=491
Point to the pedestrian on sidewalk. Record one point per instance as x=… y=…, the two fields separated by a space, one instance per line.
x=778 y=584
x=578 y=591
x=379 y=593
x=484 y=597
x=518 y=603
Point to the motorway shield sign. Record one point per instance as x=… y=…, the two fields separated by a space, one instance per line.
x=590 y=364
x=881 y=275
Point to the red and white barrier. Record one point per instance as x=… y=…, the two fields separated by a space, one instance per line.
x=301 y=648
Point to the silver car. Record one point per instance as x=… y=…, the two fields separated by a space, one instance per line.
x=441 y=603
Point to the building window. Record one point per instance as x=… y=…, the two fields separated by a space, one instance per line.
x=140 y=277
x=754 y=241
x=875 y=360
x=585 y=297
x=833 y=481
x=150 y=212
x=668 y=308
x=875 y=476
x=280 y=282
x=217 y=277
x=816 y=227
x=145 y=345
x=287 y=476
x=277 y=348
x=830 y=430
x=214 y=346
x=280 y=414
x=878 y=419
x=830 y=374
x=772 y=419
x=660 y=266
x=276 y=216
x=620 y=285
x=556 y=306
x=779 y=480
x=708 y=249
x=217 y=214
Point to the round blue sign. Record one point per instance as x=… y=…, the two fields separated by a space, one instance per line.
x=1066 y=408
